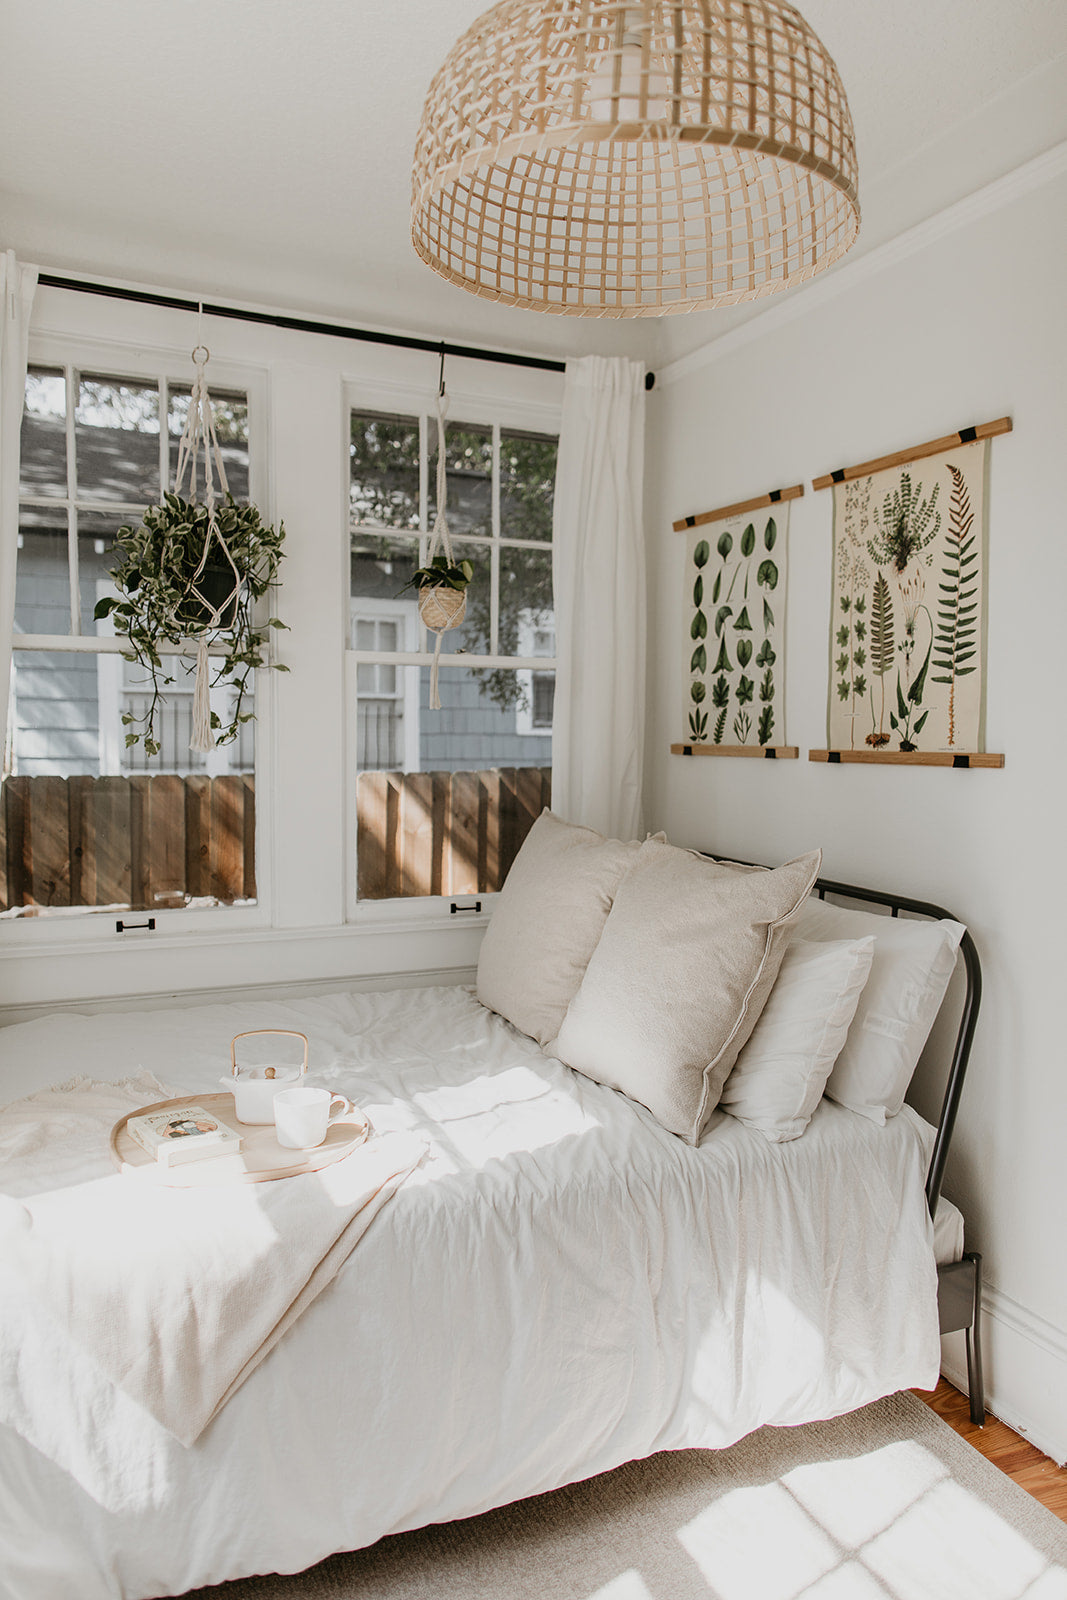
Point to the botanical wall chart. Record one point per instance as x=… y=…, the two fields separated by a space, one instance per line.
x=735 y=599
x=907 y=631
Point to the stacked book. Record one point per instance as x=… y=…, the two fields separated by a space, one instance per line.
x=184 y=1133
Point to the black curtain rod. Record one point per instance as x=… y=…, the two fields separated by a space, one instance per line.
x=304 y=325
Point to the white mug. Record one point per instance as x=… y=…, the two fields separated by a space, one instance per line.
x=302 y=1115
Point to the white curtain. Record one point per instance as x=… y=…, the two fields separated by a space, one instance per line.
x=17 y=287
x=600 y=597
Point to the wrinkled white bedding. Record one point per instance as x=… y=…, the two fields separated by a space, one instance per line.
x=559 y=1287
x=176 y=1295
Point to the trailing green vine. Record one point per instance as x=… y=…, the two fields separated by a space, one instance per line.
x=157 y=607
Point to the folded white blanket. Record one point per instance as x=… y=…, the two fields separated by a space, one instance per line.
x=175 y=1294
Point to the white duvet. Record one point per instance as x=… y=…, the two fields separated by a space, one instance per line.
x=559 y=1287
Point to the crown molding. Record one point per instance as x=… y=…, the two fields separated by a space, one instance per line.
x=1022 y=180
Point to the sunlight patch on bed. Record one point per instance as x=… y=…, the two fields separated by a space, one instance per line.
x=798 y=1345
x=498 y=1115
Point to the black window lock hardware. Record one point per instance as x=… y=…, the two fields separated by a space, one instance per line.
x=136 y=927
x=453 y=908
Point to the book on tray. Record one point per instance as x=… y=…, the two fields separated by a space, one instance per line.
x=184 y=1133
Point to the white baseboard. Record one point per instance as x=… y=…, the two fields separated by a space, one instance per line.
x=1025 y=1362
x=299 y=988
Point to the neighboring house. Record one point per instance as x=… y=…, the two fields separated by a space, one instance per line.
x=396 y=728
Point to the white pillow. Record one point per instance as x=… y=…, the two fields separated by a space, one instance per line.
x=913 y=962
x=780 y=1075
x=684 y=966
x=547 y=921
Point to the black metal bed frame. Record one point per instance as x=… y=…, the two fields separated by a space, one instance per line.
x=959 y=1284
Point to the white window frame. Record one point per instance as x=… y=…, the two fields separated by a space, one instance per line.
x=76 y=355
x=467 y=408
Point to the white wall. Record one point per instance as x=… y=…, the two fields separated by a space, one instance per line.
x=298 y=934
x=969 y=328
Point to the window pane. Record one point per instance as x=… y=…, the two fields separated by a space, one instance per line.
x=454 y=825
x=525 y=600
x=56 y=725
x=473 y=633
x=527 y=484
x=44 y=433
x=97 y=555
x=379 y=731
x=230 y=408
x=116 y=431
x=380 y=566
x=42 y=574
x=469 y=478
x=87 y=827
x=384 y=487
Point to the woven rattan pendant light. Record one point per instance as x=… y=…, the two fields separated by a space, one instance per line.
x=619 y=159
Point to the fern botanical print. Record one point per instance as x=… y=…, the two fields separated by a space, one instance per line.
x=906 y=664
x=735 y=595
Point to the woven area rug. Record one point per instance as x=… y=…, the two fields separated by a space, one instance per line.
x=887 y=1501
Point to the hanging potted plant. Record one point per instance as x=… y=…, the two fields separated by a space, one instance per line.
x=192 y=572
x=442 y=582
x=442 y=588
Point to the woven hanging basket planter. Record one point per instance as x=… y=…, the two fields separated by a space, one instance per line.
x=442 y=607
x=629 y=158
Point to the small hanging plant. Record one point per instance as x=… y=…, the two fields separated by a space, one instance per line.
x=193 y=571
x=441 y=571
x=442 y=582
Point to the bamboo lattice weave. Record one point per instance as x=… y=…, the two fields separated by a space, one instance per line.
x=599 y=157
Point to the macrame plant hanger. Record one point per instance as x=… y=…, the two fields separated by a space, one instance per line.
x=199 y=435
x=440 y=606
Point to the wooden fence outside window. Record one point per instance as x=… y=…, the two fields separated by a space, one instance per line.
x=450 y=833
x=147 y=843
x=142 y=842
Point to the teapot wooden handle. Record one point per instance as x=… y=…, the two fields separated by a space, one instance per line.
x=289 y=1033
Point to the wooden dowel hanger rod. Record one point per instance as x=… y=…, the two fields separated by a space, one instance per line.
x=738 y=510
x=900 y=458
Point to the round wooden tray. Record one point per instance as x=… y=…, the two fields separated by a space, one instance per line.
x=261 y=1159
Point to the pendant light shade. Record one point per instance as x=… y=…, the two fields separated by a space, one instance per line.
x=621 y=159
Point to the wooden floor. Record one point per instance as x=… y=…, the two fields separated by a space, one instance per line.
x=1020 y=1460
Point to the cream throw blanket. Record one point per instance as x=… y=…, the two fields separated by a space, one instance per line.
x=175 y=1294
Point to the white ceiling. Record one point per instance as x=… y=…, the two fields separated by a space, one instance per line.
x=260 y=150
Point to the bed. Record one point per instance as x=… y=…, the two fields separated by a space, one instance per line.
x=561 y=1286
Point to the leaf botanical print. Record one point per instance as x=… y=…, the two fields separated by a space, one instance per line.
x=882 y=653
x=955 y=642
x=731 y=582
x=904 y=525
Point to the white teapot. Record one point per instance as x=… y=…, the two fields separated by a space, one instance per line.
x=254 y=1088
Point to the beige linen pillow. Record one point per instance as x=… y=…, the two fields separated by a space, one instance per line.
x=913 y=962
x=546 y=922
x=683 y=969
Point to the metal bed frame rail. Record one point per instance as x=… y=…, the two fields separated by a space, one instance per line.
x=960 y=1282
